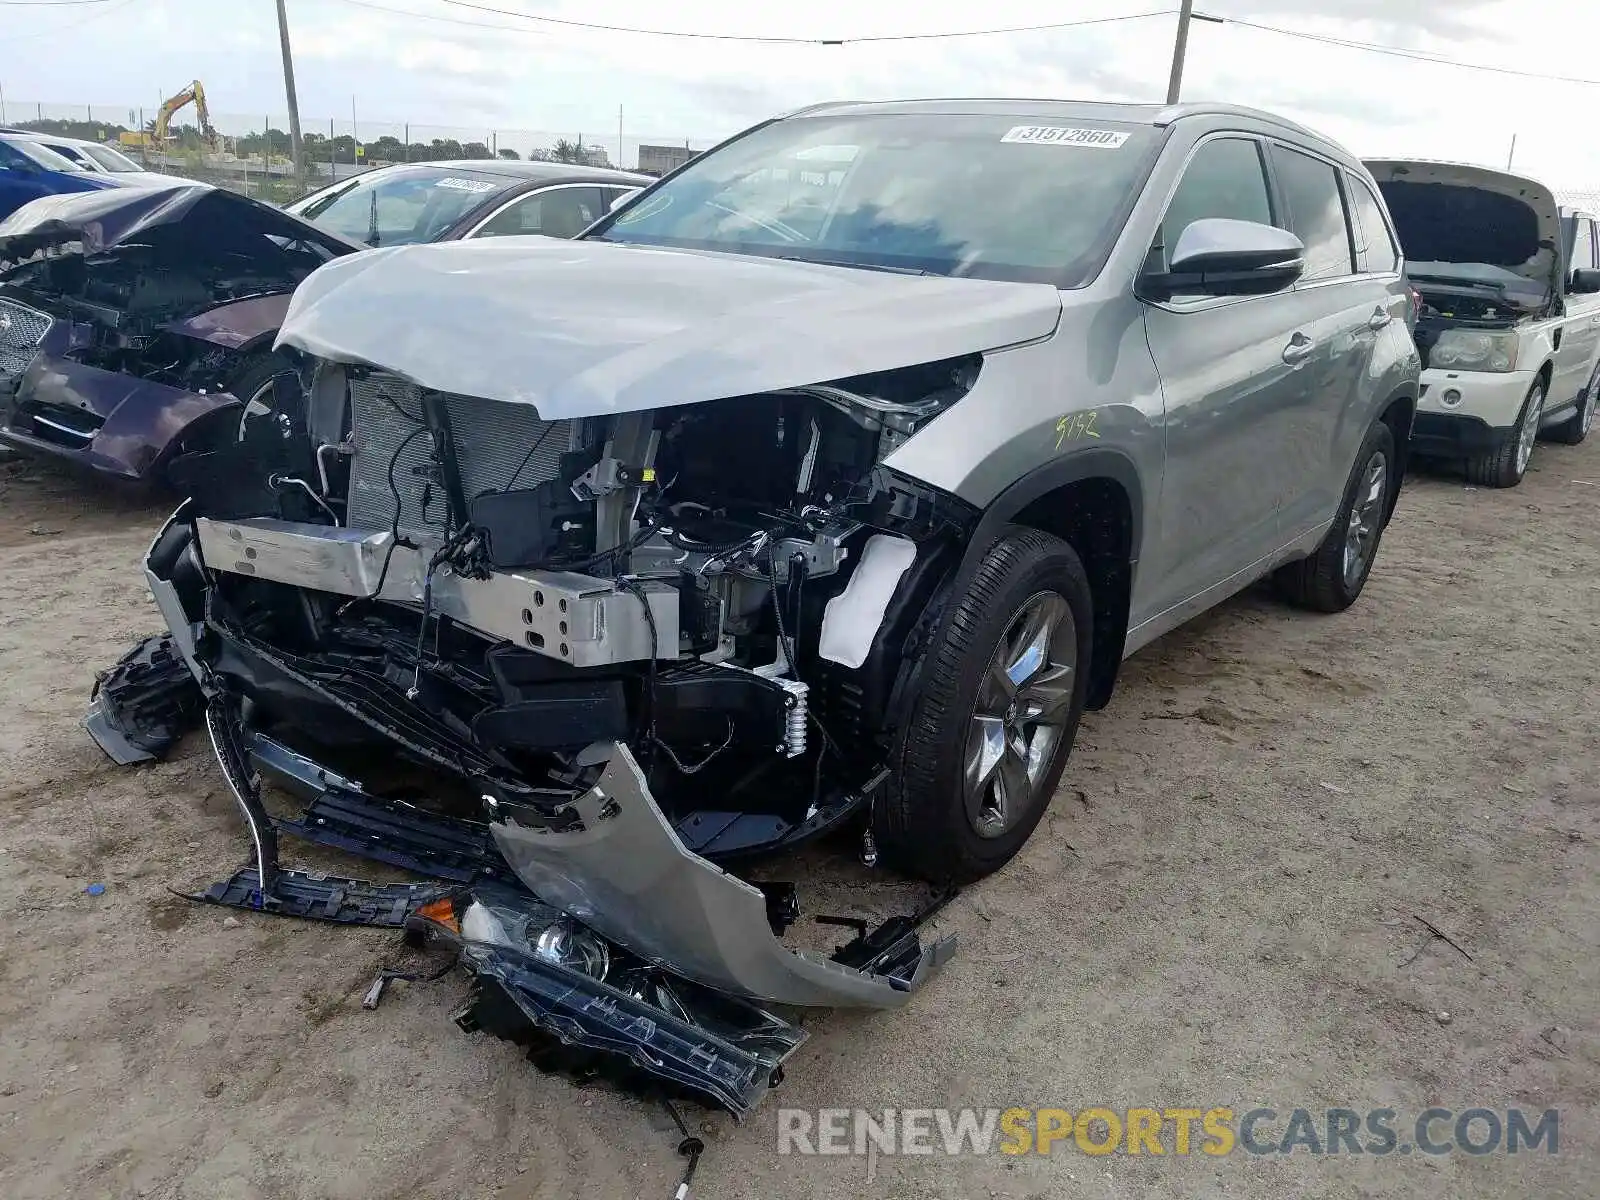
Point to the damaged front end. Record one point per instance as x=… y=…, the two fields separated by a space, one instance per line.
x=581 y=673
x=129 y=316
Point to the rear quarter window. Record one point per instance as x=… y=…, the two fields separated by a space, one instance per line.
x=1316 y=212
x=1382 y=253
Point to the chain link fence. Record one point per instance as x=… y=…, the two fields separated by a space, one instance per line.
x=252 y=153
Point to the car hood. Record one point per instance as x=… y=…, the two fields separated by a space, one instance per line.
x=1457 y=213
x=114 y=214
x=579 y=329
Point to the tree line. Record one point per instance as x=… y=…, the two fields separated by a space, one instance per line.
x=319 y=147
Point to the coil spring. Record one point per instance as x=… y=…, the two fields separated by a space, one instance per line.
x=794 y=730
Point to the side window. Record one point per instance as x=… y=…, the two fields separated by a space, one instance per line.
x=1316 y=212
x=561 y=212
x=11 y=158
x=1224 y=179
x=1381 y=253
x=1582 y=245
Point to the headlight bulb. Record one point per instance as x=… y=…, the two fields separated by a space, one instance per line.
x=574 y=947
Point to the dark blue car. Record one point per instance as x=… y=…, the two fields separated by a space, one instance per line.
x=29 y=170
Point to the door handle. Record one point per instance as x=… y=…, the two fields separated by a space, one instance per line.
x=1379 y=318
x=1298 y=350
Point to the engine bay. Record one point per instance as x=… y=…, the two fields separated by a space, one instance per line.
x=733 y=589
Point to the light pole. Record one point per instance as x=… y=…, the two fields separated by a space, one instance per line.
x=295 y=151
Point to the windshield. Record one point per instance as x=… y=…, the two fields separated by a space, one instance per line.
x=111 y=160
x=972 y=195
x=43 y=156
x=408 y=204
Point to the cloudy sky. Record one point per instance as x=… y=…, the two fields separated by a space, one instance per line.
x=435 y=63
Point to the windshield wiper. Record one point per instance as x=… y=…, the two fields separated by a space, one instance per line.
x=862 y=266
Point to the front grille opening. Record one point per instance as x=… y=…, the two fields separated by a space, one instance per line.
x=492 y=438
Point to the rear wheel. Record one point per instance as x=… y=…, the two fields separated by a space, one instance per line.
x=1332 y=578
x=1576 y=427
x=1506 y=464
x=994 y=715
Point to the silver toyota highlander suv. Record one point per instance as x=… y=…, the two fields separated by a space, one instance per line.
x=821 y=486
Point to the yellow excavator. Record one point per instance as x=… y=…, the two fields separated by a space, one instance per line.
x=193 y=94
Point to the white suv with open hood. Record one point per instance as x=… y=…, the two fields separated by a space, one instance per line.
x=1509 y=327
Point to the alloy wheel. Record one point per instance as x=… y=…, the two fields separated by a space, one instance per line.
x=1529 y=432
x=1024 y=703
x=1365 y=520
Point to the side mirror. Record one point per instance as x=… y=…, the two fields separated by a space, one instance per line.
x=1585 y=280
x=623 y=199
x=1218 y=256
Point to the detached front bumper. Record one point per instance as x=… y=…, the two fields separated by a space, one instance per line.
x=606 y=859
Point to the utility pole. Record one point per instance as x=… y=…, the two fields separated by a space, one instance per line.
x=1512 y=156
x=619 y=137
x=1180 y=47
x=295 y=151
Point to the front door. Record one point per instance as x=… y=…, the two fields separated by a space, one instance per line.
x=20 y=180
x=1580 y=332
x=1228 y=367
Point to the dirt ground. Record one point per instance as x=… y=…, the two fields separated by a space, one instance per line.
x=1225 y=907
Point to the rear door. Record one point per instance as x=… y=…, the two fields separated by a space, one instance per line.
x=1225 y=379
x=1580 y=334
x=1343 y=309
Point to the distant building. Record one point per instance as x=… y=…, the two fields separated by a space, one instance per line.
x=596 y=156
x=658 y=160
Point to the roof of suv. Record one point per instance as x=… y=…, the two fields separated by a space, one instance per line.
x=1138 y=114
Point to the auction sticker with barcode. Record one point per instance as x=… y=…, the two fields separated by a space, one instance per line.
x=1062 y=135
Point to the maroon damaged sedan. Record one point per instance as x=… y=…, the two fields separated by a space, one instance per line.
x=131 y=319
x=132 y=322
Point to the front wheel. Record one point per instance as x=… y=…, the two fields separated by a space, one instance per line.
x=994 y=714
x=1331 y=579
x=1506 y=464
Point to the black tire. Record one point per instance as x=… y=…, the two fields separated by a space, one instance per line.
x=1575 y=428
x=221 y=426
x=921 y=819
x=255 y=372
x=1501 y=467
x=1321 y=582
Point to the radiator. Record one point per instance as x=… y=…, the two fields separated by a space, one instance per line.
x=491 y=439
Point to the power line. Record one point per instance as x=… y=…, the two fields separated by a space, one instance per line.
x=1402 y=52
x=49 y=3
x=99 y=15
x=768 y=40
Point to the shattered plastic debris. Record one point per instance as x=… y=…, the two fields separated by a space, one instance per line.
x=144 y=704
